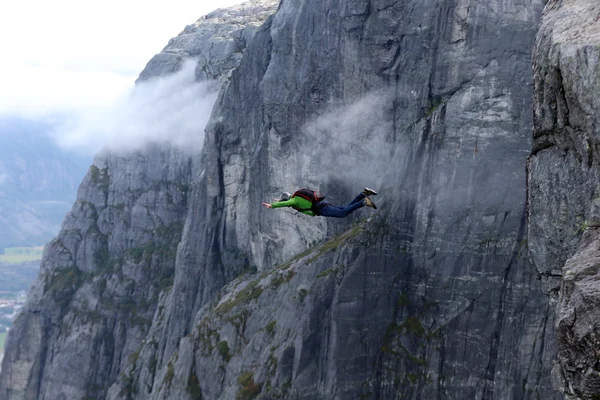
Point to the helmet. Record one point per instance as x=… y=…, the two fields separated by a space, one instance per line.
x=285 y=196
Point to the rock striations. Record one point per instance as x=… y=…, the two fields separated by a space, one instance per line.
x=564 y=213
x=168 y=281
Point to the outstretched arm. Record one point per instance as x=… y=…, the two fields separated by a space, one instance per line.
x=289 y=203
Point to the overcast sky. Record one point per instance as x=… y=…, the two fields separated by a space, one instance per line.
x=64 y=55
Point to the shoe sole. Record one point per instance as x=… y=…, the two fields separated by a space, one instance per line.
x=372 y=205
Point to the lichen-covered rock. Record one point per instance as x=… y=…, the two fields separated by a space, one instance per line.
x=563 y=185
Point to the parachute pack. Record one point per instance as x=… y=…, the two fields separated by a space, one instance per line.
x=310 y=195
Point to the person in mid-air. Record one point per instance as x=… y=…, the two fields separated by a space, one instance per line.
x=310 y=203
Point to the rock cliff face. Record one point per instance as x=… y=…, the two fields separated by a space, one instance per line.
x=169 y=282
x=101 y=279
x=563 y=185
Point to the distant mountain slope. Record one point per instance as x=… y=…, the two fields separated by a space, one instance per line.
x=38 y=182
x=17 y=277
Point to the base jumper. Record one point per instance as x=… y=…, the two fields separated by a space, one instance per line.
x=309 y=202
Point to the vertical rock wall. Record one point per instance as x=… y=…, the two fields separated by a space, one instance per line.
x=563 y=185
x=431 y=296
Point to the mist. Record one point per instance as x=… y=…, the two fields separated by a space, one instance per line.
x=352 y=144
x=170 y=110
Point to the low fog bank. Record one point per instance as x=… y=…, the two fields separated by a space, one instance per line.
x=170 y=110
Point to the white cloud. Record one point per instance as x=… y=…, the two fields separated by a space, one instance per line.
x=38 y=91
x=172 y=109
x=66 y=54
x=352 y=142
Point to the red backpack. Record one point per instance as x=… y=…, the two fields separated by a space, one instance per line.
x=310 y=195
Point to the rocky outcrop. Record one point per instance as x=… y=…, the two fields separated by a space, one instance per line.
x=563 y=185
x=430 y=296
x=216 y=40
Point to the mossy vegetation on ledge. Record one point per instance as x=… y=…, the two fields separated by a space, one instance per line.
x=223 y=349
x=252 y=291
x=335 y=243
x=148 y=250
x=248 y=388
x=270 y=328
x=406 y=340
x=100 y=177
x=333 y=270
x=170 y=374
x=193 y=386
x=320 y=249
x=62 y=284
